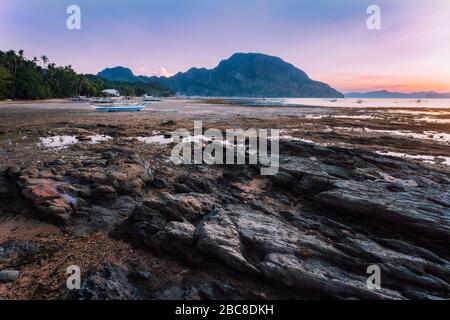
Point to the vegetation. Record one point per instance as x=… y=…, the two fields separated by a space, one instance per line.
x=21 y=78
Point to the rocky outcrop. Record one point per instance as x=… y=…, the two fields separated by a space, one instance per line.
x=61 y=192
x=344 y=216
x=311 y=231
x=14 y=253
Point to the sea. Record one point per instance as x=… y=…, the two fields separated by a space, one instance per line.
x=351 y=102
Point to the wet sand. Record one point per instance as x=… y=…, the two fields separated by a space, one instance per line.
x=414 y=132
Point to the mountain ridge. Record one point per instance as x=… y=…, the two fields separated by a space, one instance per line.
x=391 y=94
x=242 y=74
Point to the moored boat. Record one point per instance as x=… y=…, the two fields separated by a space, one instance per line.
x=150 y=99
x=117 y=107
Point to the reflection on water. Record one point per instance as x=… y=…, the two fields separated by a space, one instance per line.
x=157 y=139
x=99 y=138
x=423 y=158
x=58 y=141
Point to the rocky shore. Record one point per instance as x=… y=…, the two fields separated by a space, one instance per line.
x=141 y=227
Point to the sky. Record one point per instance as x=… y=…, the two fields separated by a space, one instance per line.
x=328 y=39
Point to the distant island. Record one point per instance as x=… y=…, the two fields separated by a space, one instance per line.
x=241 y=75
x=384 y=94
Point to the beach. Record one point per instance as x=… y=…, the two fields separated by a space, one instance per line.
x=355 y=187
x=407 y=131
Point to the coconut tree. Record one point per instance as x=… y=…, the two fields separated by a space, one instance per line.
x=44 y=59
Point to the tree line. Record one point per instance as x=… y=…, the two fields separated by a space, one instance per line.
x=37 y=78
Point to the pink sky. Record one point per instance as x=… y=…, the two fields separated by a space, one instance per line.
x=327 y=39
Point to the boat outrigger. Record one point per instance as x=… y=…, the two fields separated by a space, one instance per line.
x=117 y=107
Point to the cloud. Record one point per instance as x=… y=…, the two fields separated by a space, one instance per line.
x=162 y=72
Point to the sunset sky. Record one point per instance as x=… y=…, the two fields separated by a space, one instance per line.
x=328 y=39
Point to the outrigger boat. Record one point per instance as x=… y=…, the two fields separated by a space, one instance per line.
x=117 y=107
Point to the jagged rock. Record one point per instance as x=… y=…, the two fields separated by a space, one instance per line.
x=9 y=275
x=18 y=252
x=195 y=183
x=192 y=288
x=106 y=282
x=49 y=198
x=4 y=188
x=140 y=226
x=218 y=237
x=411 y=211
x=105 y=192
x=182 y=232
x=332 y=213
x=316 y=275
x=159 y=183
x=283 y=180
x=182 y=207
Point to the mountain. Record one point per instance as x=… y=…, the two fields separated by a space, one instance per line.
x=394 y=95
x=117 y=74
x=241 y=75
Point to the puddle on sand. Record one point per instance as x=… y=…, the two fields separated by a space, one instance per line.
x=423 y=158
x=432 y=120
x=417 y=112
x=332 y=116
x=440 y=137
x=99 y=138
x=60 y=142
x=158 y=139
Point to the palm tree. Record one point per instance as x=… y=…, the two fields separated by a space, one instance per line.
x=35 y=59
x=44 y=59
x=20 y=52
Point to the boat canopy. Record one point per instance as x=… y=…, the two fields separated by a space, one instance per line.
x=112 y=92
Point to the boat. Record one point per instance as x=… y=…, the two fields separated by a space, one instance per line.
x=118 y=107
x=101 y=101
x=150 y=99
x=333 y=100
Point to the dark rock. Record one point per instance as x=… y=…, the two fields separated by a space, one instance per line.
x=107 y=282
x=140 y=226
x=182 y=188
x=218 y=237
x=194 y=288
x=410 y=211
x=283 y=180
x=9 y=275
x=182 y=207
x=168 y=123
x=105 y=192
x=159 y=183
x=19 y=252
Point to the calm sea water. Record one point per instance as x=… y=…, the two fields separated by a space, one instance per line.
x=351 y=102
